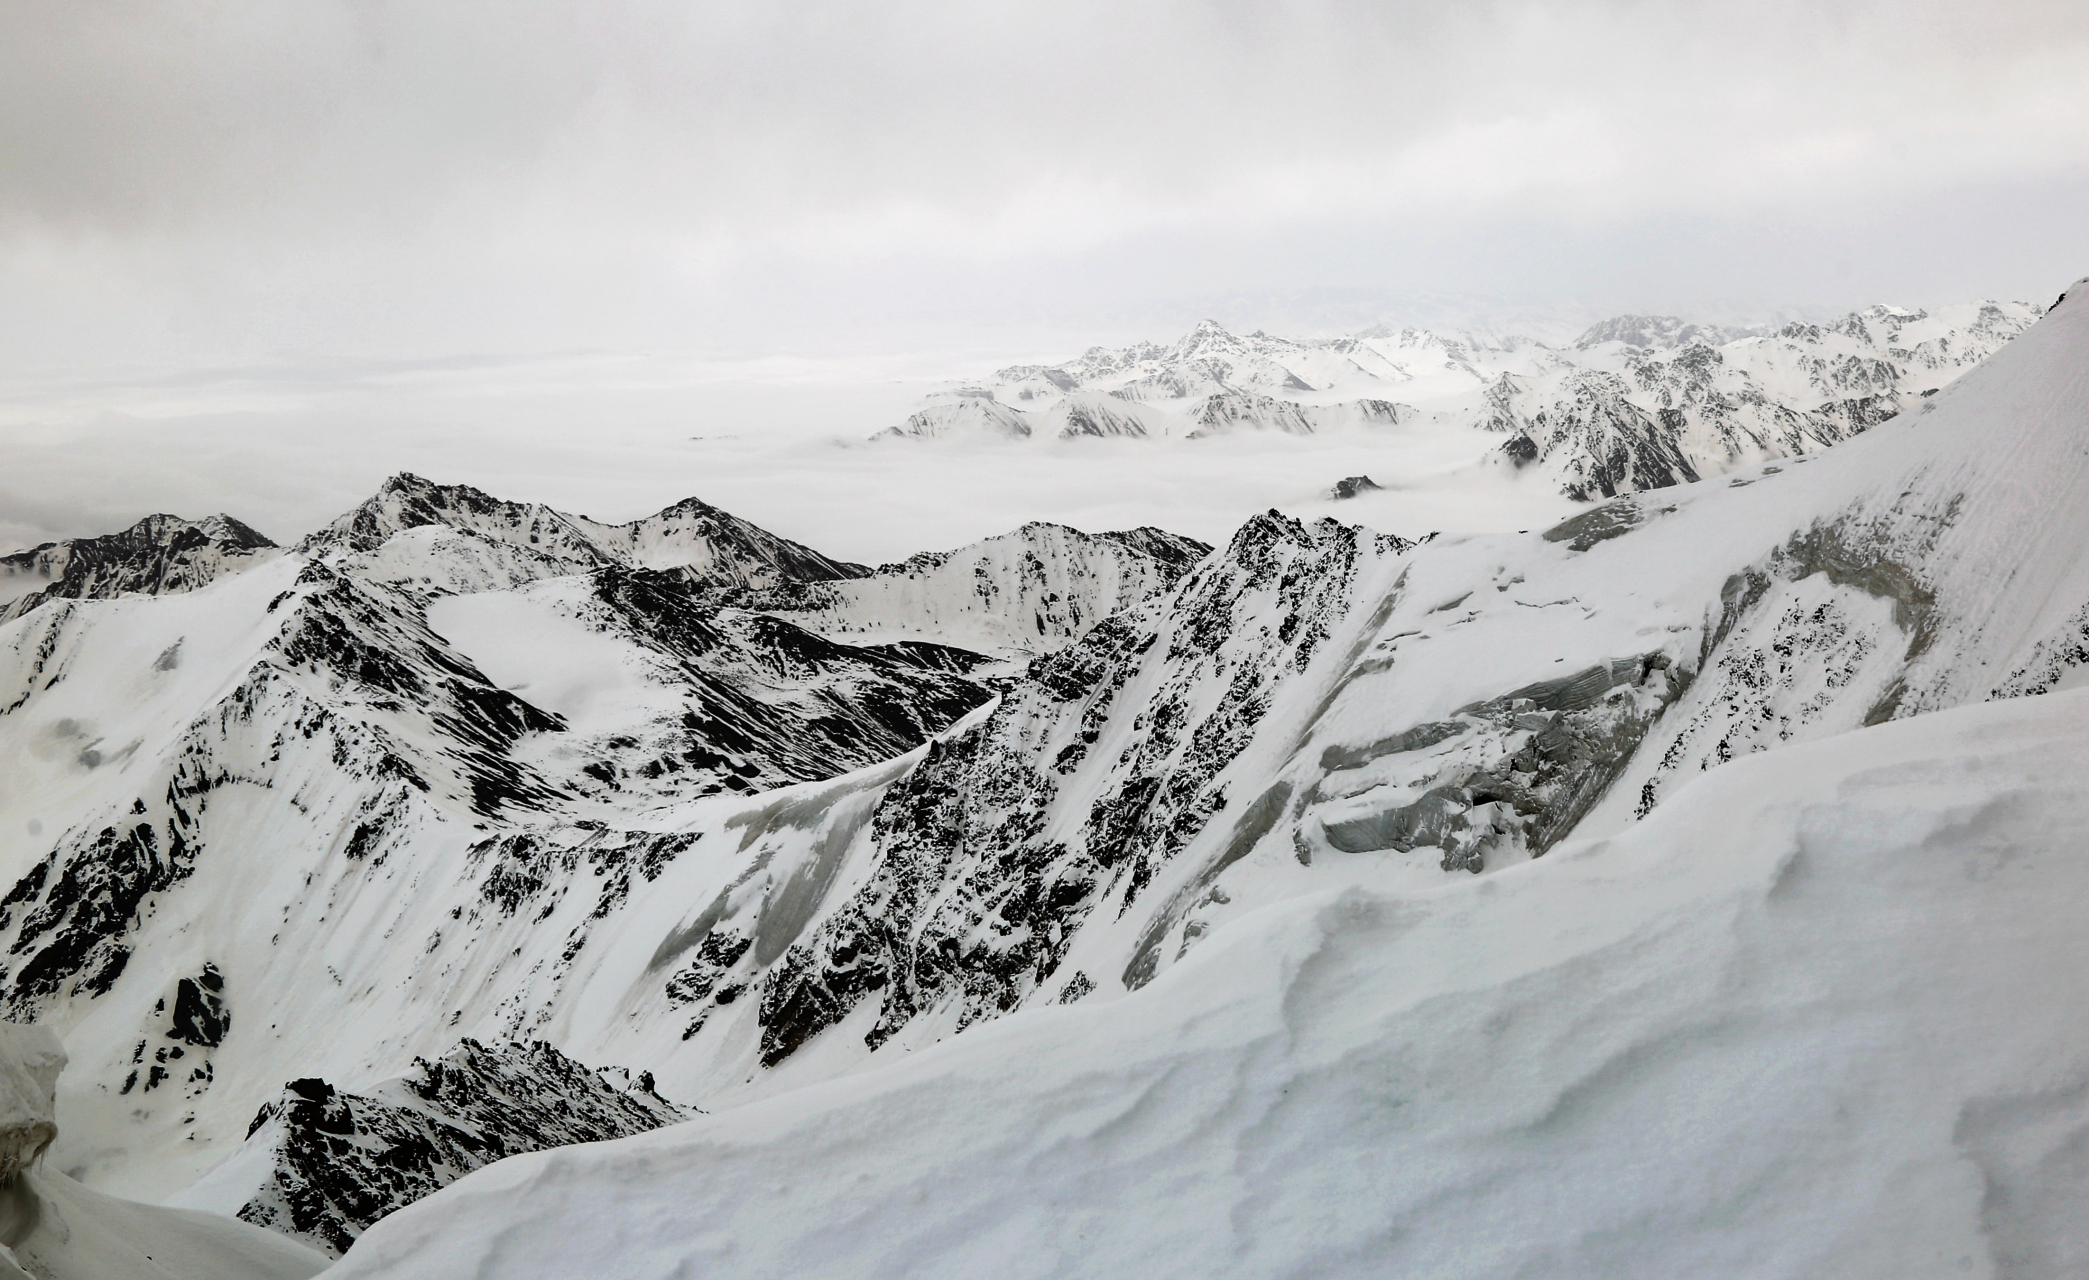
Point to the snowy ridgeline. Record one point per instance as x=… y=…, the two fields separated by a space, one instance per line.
x=1635 y=403
x=684 y=796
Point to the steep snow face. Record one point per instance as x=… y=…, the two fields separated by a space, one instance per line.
x=157 y=555
x=1031 y=591
x=1821 y=1016
x=712 y=545
x=320 y=1165
x=1636 y=403
x=51 y=1228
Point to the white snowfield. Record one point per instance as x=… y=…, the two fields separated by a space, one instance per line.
x=1826 y=1013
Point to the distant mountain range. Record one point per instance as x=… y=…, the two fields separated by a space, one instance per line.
x=1634 y=403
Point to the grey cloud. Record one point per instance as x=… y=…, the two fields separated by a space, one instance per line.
x=234 y=180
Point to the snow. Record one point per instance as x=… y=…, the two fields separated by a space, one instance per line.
x=1820 y=1015
x=1234 y=769
x=52 y=1228
x=81 y=1234
x=595 y=681
x=30 y=1060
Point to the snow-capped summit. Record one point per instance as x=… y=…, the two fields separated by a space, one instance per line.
x=713 y=545
x=1635 y=402
x=159 y=554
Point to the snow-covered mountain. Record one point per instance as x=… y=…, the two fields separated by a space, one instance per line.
x=156 y=555
x=1239 y=826
x=321 y=1166
x=465 y=769
x=1031 y=591
x=521 y=540
x=1635 y=403
x=443 y=689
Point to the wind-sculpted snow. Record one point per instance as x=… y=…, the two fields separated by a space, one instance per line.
x=1635 y=403
x=321 y=1166
x=1821 y=1016
x=156 y=555
x=1031 y=591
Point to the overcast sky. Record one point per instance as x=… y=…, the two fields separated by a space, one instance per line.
x=239 y=180
x=294 y=193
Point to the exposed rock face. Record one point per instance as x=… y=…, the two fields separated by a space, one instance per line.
x=340 y=1161
x=159 y=554
x=996 y=848
x=1353 y=486
x=755 y=701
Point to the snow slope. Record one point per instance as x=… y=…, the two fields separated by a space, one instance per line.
x=1822 y=1015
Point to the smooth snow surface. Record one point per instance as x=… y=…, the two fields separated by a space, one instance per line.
x=1820 y=1016
x=64 y=1231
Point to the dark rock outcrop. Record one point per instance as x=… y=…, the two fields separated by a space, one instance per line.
x=340 y=1161
x=156 y=556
